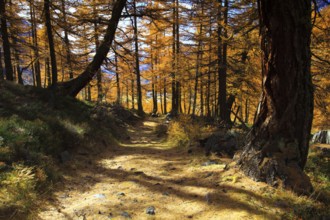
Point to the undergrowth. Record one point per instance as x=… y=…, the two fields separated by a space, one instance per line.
x=314 y=206
x=183 y=130
x=35 y=129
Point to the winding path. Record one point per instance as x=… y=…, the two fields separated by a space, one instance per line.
x=124 y=181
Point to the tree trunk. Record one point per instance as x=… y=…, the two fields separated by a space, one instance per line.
x=73 y=87
x=47 y=72
x=5 y=42
x=1 y=68
x=50 y=42
x=137 y=64
x=153 y=82
x=127 y=98
x=165 y=97
x=247 y=110
x=224 y=113
x=66 y=41
x=97 y=43
x=175 y=48
x=18 y=68
x=221 y=98
x=118 y=99
x=36 y=65
x=133 y=94
x=208 y=92
x=278 y=145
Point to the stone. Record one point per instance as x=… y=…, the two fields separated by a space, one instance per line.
x=100 y=196
x=65 y=156
x=209 y=163
x=121 y=194
x=322 y=137
x=221 y=143
x=126 y=215
x=151 y=210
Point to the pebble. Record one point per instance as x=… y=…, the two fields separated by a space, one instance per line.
x=125 y=214
x=209 y=163
x=166 y=193
x=121 y=194
x=100 y=196
x=151 y=210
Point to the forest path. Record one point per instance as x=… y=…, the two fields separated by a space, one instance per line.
x=122 y=182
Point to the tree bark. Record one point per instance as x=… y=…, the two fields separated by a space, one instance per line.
x=1 y=68
x=66 y=40
x=50 y=42
x=137 y=64
x=176 y=49
x=118 y=98
x=97 y=43
x=73 y=87
x=165 y=96
x=221 y=98
x=247 y=110
x=36 y=65
x=278 y=145
x=224 y=112
x=5 y=42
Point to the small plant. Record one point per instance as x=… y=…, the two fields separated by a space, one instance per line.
x=18 y=188
x=178 y=135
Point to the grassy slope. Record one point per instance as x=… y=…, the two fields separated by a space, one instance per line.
x=34 y=133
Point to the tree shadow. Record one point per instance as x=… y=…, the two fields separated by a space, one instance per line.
x=221 y=195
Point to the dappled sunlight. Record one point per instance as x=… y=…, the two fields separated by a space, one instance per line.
x=133 y=176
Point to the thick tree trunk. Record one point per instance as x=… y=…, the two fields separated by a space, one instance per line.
x=5 y=42
x=278 y=146
x=73 y=87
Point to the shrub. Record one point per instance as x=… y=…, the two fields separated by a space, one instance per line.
x=177 y=134
x=18 y=188
x=161 y=130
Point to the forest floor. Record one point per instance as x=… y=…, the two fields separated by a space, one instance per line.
x=123 y=181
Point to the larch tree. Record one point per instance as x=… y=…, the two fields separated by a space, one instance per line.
x=5 y=41
x=51 y=44
x=278 y=145
x=73 y=87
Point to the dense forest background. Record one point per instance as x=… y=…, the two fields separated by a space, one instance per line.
x=186 y=56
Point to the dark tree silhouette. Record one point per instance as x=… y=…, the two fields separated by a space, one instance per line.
x=5 y=40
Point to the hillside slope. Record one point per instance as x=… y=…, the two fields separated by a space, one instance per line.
x=40 y=132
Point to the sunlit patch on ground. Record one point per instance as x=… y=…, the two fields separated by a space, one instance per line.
x=145 y=172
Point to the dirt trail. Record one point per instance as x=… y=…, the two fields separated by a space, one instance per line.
x=147 y=171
